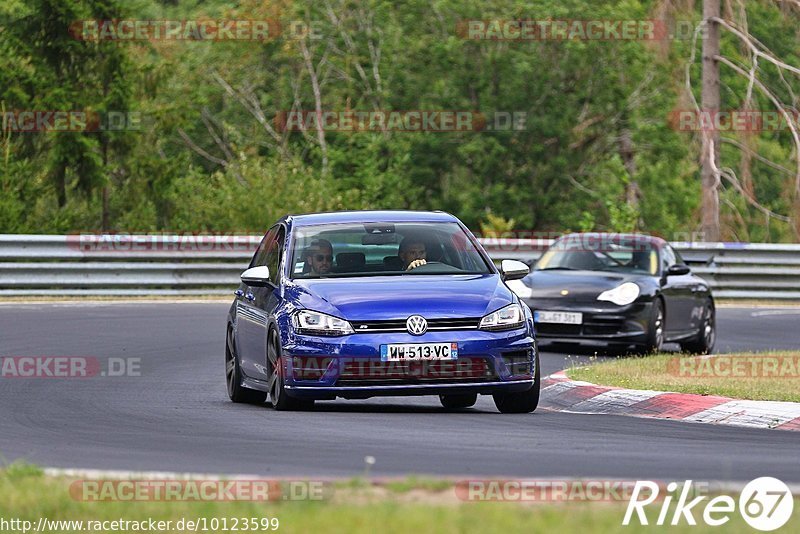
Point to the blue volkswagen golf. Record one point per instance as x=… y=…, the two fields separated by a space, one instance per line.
x=375 y=303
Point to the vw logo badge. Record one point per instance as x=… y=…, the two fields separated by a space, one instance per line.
x=416 y=325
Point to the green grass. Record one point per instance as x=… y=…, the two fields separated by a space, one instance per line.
x=418 y=483
x=25 y=493
x=662 y=372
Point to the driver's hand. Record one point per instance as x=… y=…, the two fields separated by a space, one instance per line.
x=414 y=264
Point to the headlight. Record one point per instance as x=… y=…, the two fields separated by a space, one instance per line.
x=622 y=294
x=503 y=319
x=320 y=324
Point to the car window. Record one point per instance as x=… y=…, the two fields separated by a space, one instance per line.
x=635 y=256
x=260 y=257
x=373 y=249
x=678 y=257
x=274 y=249
x=667 y=258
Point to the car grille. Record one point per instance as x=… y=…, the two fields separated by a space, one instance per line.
x=552 y=329
x=518 y=362
x=399 y=325
x=375 y=372
x=593 y=325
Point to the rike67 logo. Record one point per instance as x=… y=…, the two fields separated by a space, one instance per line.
x=765 y=504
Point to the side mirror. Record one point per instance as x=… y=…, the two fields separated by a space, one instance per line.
x=257 y=276
x=513 y=270
x=678 y=270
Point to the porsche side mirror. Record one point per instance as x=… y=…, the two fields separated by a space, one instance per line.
x=678 y=270
x=513 y=270
x=257 y=276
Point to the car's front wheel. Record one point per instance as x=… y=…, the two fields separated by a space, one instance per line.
x=706 y=336
x=455 y=402
x=655 y=330
x=278 y=396
x=233 y=376
x=523 y=401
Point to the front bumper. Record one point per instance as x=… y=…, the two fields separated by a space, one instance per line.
x=601 y=322
x=351 y=366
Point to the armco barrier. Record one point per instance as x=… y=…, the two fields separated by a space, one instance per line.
x=53 y=265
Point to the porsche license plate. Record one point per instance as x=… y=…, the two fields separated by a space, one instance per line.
x=557 y=317
x=419 y=351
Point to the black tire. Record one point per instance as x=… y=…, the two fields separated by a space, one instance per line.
x=278 y=396
x=655 y=330
x=455 y=402
x=523 y=401
x=233 y=376
x=707 y=335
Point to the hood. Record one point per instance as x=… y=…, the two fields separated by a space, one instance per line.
x=396 y=297
x=580 y=284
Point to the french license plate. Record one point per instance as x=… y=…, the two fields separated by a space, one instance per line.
x=557 y=317
x=419 y=351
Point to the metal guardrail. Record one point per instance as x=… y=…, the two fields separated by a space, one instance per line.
x=124 y=265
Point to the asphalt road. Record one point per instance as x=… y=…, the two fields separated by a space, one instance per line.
x=176 y=416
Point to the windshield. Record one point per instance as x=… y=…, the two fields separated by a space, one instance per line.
x=379 y=249
x=641 y=258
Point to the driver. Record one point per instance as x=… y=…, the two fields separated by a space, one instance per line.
x=640 y=259
x=412 y=252
x=319 y=256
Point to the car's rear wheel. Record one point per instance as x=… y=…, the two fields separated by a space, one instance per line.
x=523 y=401
x=233 y=376
x=278 y=396
x=706 y=336
x=454 y=402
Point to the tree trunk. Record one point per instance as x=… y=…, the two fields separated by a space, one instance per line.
x=61 y=184
x=628 y=154
x=104 y=217
x=711 y=142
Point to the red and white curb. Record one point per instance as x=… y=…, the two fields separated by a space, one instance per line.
x=565 y=395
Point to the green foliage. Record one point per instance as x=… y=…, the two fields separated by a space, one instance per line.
x=496 y=226
x=208 y=157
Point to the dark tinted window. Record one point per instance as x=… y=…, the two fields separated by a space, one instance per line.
x=274 y=250
x=260 y=257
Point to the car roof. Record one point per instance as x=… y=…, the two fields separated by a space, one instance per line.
x=370 y=216
x=616 y=236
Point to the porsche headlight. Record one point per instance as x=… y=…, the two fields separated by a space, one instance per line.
x=320 y=324
x=503 y=319
x=622 y=294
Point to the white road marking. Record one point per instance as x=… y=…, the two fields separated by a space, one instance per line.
x=756 y=414
x=765 y=313
x=615 y=399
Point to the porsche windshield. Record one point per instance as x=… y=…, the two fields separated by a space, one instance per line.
x=374 y=249
x=565 y=255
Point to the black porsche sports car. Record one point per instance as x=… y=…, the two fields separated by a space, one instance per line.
x=620 y=289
